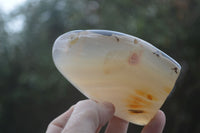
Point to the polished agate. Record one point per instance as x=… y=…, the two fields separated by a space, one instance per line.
x=115 y=67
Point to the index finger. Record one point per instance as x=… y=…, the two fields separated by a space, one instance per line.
x=88 y=116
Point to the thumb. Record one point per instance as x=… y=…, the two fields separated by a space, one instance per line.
x=88 y=116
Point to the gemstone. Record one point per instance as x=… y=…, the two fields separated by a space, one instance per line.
x=119 y=68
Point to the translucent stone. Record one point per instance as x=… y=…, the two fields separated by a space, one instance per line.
x=118 y=68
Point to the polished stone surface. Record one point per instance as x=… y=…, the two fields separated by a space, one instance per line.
x=122 y=69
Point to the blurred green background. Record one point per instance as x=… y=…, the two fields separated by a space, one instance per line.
x=33 y=92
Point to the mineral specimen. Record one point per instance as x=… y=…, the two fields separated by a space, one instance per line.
x=115 y=67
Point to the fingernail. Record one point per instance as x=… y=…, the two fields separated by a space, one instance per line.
x=109 y=106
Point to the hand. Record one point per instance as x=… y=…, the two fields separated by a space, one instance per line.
x=88 y=116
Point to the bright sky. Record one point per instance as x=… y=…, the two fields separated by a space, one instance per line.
x=8 y=5
x=15 y=24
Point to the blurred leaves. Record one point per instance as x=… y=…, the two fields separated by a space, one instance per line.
x=33 y=92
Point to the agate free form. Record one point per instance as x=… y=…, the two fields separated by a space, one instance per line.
x=115 y=67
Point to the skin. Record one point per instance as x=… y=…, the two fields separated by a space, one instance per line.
x=88 y=116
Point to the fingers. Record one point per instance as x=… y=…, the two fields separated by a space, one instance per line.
x=57 y=125
x=87 y=116
x=156 y=125
x=117 y=125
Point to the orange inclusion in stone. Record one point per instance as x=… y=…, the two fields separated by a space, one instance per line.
x=145 y=94
x=133 y=59
x=137 y=103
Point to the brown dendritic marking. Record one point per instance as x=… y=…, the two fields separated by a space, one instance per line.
x=134 y=111
x=175 y=69
x=157 y=54
x=117 y=38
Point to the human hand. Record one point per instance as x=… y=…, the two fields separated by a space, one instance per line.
x=88 y=116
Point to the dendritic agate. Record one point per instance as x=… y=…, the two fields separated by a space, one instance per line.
x=118 y=68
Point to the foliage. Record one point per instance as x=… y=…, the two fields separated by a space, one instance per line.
x=32 y=90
